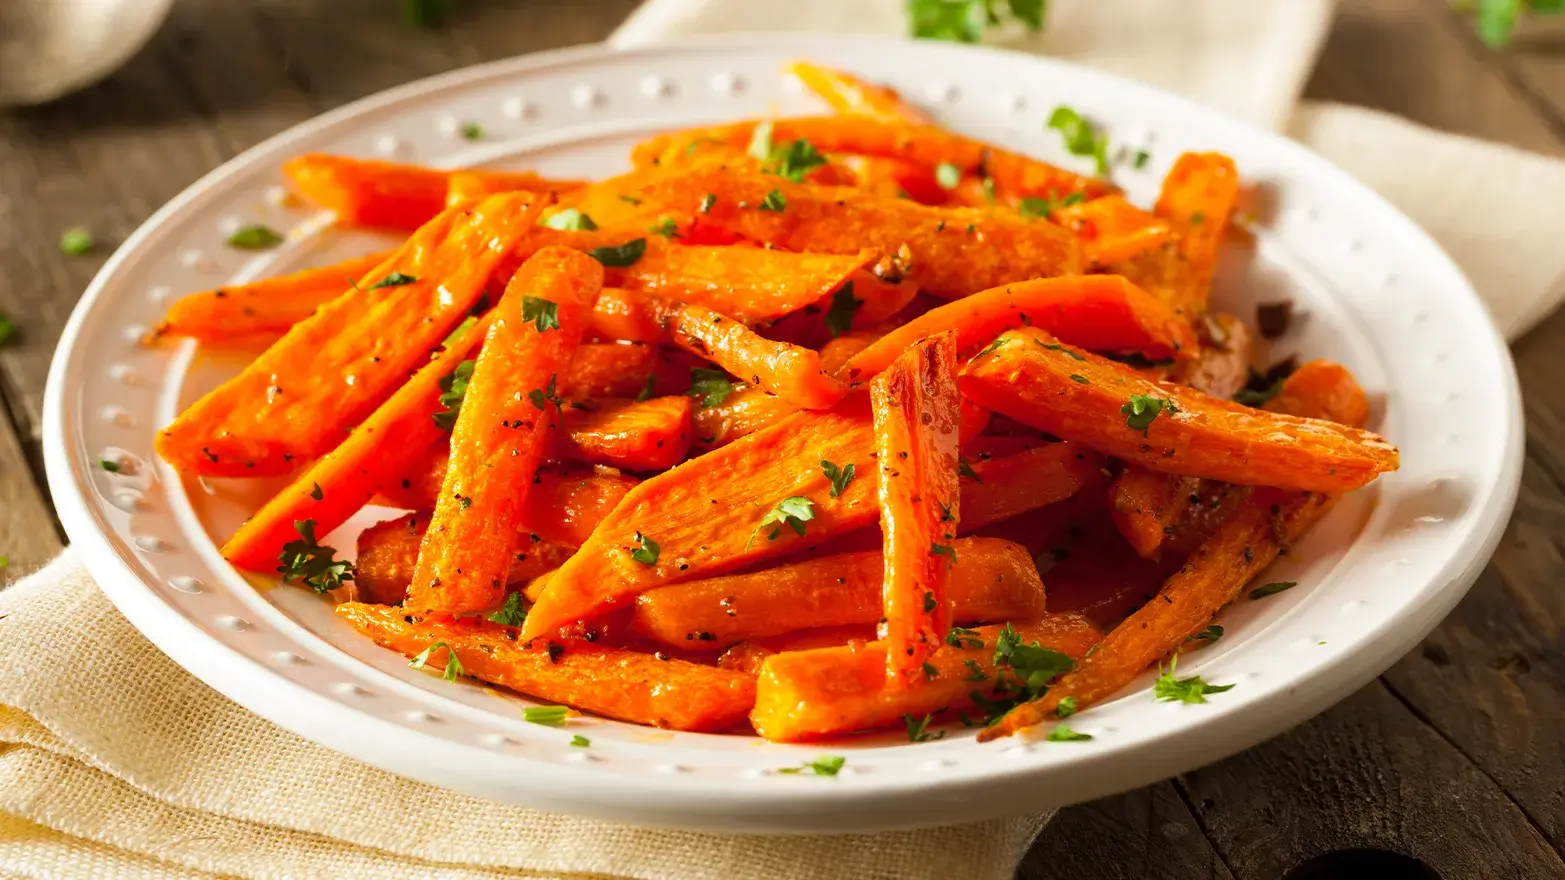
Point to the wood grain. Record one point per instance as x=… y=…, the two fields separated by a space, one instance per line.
x=1146 y=834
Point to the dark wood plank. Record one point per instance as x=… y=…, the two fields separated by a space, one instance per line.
x=1534 y=61
x=1406 y=57
x=28 y=537
x=1147 y=834
x=1366 y=774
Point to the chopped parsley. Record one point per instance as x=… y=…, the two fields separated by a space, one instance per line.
x=964 y=21
x=943 y=550
x=315 y=491
x=1062 y=734
x=1210 y=634
x=254 y=238
x=76 y=241
x=570 y=219
x=826 y=765
x=1080 y=379
x=455 y=336
x=511 y=613
x=707 y=201
x=580 y=742
x=793 y=512
x=931 y=672
x=665 y=227
x=472 y=131
x=453 y=389
x=306 y=560
x=1035 y=207
x=113 y=467
x=628 y=199
x=453 y=665
x=646 y=551
x=1081 y=138
x=844 y=305
x=544 y=314
x=646 y=390
x=1259 y=398
x=761 y=141
x=793 y=160
x=947 y=175
x=1142 y=409
x=1273 y=588
x=1066 y=708
x=1033 y=664
x=1183 y=690
x=619 y=257
x=975 y=671
x=774 y=202
x=998 y=341
x=839 y=477
x=1138 y=361
x=917 y=728
x=1140 y=160
x=548 y=716
x=1198 y=218
x=929 y=607
x=963 y=469
x=959 y=637
x=1055 y=346
x=711 y=386
x=538 y=397
x=395 y=279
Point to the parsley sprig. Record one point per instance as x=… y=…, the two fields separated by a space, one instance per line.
x=840 y=477
x=308 y=561
x=453 y=665
x=711 y=387
x=1082 y=138
x=844 y=305
x=1142 y=409
x=825 y=765
x=453 y=389
x=544 y=314
x=792 y=512
x=964 y=21
x=1193 y=689
x=511 y=613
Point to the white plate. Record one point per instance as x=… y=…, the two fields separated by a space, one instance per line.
x=1373 y=290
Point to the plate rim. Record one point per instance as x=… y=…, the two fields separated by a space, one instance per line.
x=703 y=803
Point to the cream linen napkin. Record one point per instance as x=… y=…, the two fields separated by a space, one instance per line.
x=1493 y=208
x=116 y=763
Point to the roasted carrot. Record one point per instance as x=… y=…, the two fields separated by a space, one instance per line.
x=748 y=284
x=627 y=316
x=388 y=557
x=891 y=177
x=1013 y=174
x=789 y=371
x=1079 y=396
x=744 y=410
x=649 y=435
x=838 y=352
x=266 y=307
x=1004 y=486
x=1266 y=523
x=846 y=93
x=706 y=517
x=805 y=695
x=749 y=655
x=1321 y=389
x=1103 y=312
x=368 y=192
x=1198 y=198
x=374 y=456
x=995 y=580
x=1112 y=229
x=606 y=681
x=953 y=251
x=471 y=184
x=502 y=432
x=915 y=405
x=1223 y=366
x=1146 y=505
x=608 y=370
x=300 y=398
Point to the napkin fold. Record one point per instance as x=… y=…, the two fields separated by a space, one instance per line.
x=115 y=762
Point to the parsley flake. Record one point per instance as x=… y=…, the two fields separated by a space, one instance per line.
x=544 y=314
x=548 y=716
x=839 y=477
x=665 y=227
x=646 y=390
x=826 y=765
x=1263 y=591
x=1062 y=734
x=1066 y=708
x=619 y=257
x=774 y=202
x=306 y=560
x=964 y=21
x=511 y=613
x=761 y=141
x=113 y=467
x=538 y=397
x=455 y=336
x=1194 y=689
x=472 y=131
x=646 y=551
x=943 y=550
x=580 y=742
x=711 y=386
x=1055 y=346
x=793 y=512
x=1080 y=379
x=1142 y=409
x=793 y=160
x=976 y=671
x=1258 y=398
x=707 y=201
x=963 y=469
x=315 y=491
x=948 y=175
x=1140 y=160
x=844 y=305
x=917 y=728
x=1081 y=138
x=1035 y=207
x=1210 y=634
x=76 y=241
x=570 y=219
x=395 y=279
x=254 y=238
x=959 y=637
x=453 y=389
x=453 y=665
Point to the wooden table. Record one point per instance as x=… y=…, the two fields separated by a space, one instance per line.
x=1456 y=756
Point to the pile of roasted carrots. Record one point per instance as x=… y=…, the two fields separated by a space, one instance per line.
x=785 y=428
